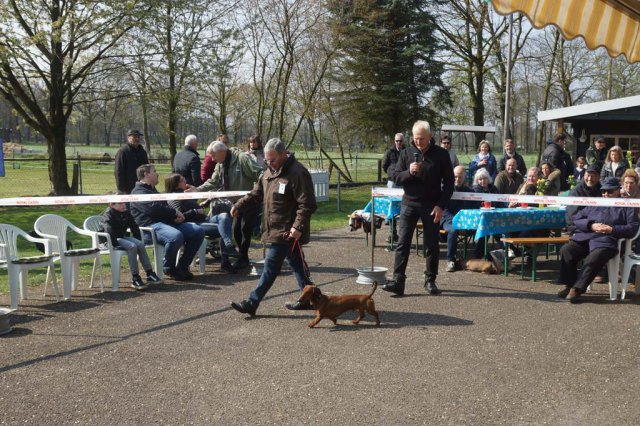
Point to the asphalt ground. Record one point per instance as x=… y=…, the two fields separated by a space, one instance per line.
x=489 y=350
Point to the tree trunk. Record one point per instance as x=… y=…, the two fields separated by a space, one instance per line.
x=547 y=89
x=58 y=161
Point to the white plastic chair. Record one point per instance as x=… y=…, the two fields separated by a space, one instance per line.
x=94 y=223
x=55 y=228
x=18 y=266
x=613 y=267
x=629 y=260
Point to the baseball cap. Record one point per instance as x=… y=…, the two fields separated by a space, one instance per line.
x=134 y=132
x=592 y=169
x=610 y=183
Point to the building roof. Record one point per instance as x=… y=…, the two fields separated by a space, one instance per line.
x=592 y=108
x=457 y=128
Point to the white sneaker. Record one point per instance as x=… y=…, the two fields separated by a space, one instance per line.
x=451 y=266
x=512 y=255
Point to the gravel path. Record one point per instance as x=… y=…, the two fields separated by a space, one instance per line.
x=489 y=350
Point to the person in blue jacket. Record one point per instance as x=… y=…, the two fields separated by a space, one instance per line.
x=595 y=240
x=484 y=159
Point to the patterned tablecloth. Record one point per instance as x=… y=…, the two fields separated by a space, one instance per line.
x=500 y=221
x=387 y=206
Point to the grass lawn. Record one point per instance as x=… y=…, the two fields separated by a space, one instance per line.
x=326 y=217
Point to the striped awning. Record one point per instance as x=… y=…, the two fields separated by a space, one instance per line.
x=613 y=24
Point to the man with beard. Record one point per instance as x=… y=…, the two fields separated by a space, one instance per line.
x=589 y=186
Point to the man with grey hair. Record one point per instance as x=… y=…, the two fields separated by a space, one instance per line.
x=187 y=161
x=286 y=189
x=236 y=170
x=425 y=173
x=391 y=157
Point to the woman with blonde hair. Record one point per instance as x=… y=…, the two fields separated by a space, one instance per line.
x=615 y=164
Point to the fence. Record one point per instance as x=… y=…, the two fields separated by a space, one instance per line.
x=95 y=174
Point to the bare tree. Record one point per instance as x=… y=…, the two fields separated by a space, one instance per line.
x=47 y=52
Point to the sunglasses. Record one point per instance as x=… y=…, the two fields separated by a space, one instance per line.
x=608 y=191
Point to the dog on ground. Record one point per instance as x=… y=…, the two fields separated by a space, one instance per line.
x=481 y=265
x=332 y=307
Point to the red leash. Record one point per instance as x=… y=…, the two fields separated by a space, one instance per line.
x=296 y=243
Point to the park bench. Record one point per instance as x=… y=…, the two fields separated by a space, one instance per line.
x=530 y=245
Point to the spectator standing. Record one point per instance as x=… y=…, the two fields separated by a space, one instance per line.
x=209 y=163
x=128 y=158
x=256 y=151
x=236 y=171
x=187 y=161
x=510 y=152
x=168 y=224
x=595 y=241
x=589 y=186
x=391 y=158
x=445 y=143
x=615 y=164
x=484 y=159
x=425 y=173
x=286 y=189
x=453 y=207
x=556 y=155
x=597 y=154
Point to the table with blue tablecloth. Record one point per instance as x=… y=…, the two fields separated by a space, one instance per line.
x=389 y=207
x=502 y=221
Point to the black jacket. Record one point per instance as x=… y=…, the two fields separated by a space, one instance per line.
x=433 y=185
x=116 y=223
x=187 y=163
x=580 y=190
x=149 y=212
x=560 y=160
x=454 y=206
x=390 y=159
x=522 y=167
x=128 y=159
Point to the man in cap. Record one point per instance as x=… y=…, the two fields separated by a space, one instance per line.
x=595 y=240
x=597 y=154
x=128 y=158
x=589 y=186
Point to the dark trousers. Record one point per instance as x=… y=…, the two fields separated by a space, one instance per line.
x=243 y=229
x=594 y=260
x=407 y=221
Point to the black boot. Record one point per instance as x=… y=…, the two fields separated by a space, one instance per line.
x=395 y=286
x=431 y=288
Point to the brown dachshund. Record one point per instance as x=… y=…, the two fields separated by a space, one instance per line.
x=332 y=307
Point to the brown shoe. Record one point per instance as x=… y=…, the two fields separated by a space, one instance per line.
x=574 y=295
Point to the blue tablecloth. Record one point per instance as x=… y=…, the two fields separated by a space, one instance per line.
x=501 y=221
x=386 y=206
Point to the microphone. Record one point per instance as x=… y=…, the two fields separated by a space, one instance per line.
x=415 y=159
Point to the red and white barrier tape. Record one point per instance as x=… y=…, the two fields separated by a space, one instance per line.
x=105 y=199
x=529 y=199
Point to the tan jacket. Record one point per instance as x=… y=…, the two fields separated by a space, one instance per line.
x=289 y=201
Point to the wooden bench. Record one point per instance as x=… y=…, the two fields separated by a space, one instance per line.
x=463 y=236
x=535 y=243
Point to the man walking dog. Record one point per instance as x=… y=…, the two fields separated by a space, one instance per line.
x=286 y=189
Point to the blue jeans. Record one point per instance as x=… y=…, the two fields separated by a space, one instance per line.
x=276 y=254
x=135 y=248
x=173 y=237
x=224 y=223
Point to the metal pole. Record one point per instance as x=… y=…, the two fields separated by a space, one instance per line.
x=372 y=217
x=339 y=194
x=506 y=133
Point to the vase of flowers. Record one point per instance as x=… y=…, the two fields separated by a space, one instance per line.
x=541 y=187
